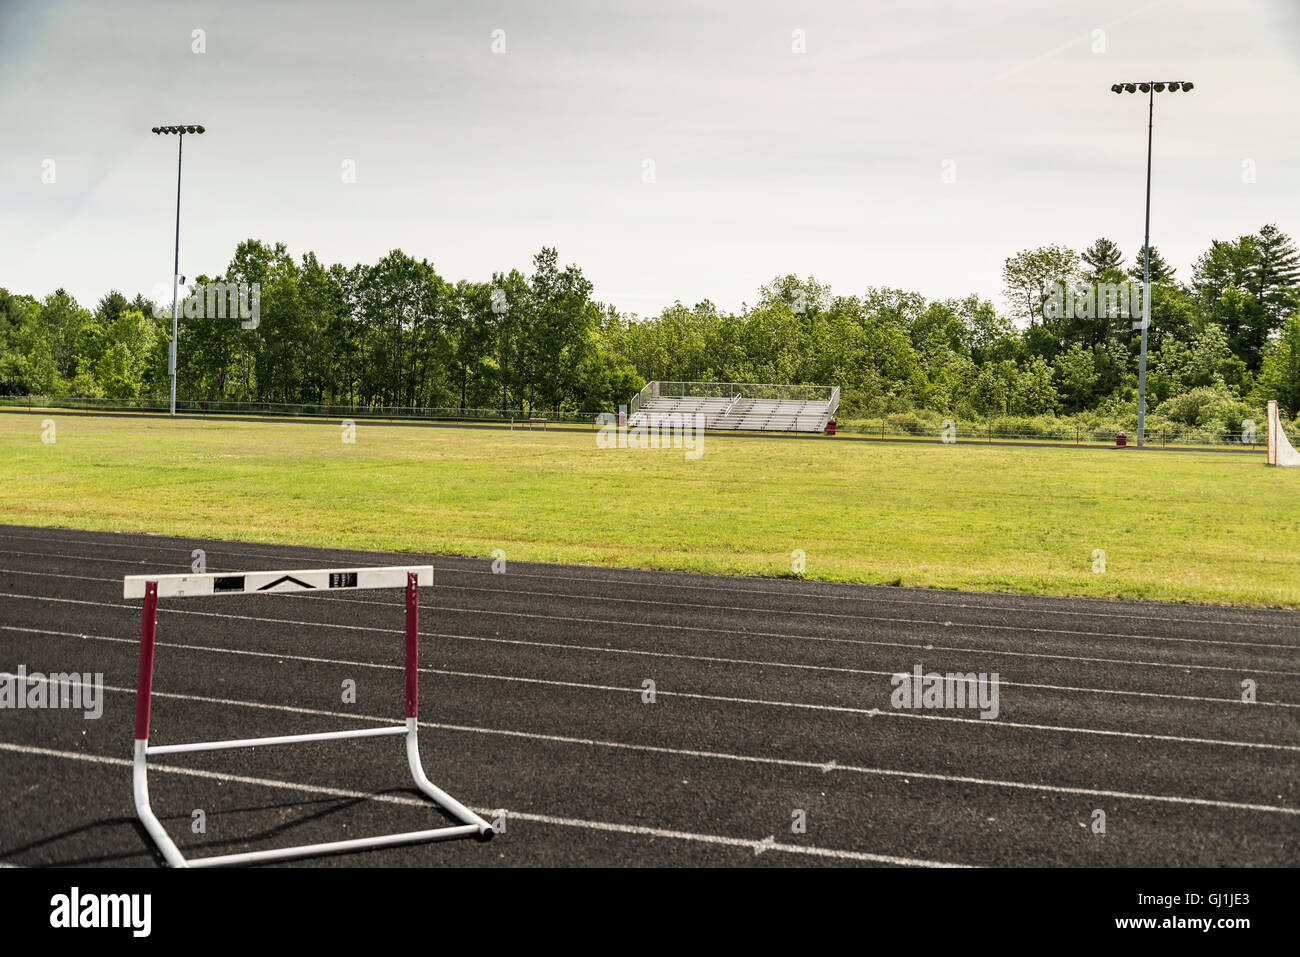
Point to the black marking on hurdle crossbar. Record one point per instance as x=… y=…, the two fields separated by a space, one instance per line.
x=228 y=583
x=343 y=580
x=285 y=578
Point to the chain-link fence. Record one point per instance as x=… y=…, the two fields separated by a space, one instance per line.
x=1057 y=434
x=895 y=426
x=299 y=409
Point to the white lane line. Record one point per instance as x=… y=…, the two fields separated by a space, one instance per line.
x=755 y=662
x=1236 y=669
x=864 y=618
x=860 y=618
x=728 y=699
x=668 y=583
x=956 y=626
x=720 y=607
x=924 y=603
x=757 y=846
x=857 y=671
x=824 y=767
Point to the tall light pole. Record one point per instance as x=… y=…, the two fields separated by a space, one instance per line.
x=1151 y=88
x=180 y=132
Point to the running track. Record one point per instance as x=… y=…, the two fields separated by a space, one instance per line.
x=772 y=696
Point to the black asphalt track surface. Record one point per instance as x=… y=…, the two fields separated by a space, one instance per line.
x=772 y=697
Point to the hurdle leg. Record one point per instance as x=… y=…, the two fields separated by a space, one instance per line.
x=143 y=693
x=439 y=796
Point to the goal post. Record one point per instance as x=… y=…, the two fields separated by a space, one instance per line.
x=1280 y=450
x=152 y=587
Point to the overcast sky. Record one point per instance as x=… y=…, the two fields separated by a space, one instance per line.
x=766 y=160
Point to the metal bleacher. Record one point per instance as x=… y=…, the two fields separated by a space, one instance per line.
x=740 y=406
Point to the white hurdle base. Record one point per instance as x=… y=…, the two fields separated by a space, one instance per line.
x=472 y=825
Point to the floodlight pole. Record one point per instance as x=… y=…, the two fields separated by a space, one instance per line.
x=1151 y=88
x=176 y=268
x=1146 y=281
x=176 y=261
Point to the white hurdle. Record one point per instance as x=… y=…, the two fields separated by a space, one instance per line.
x=153 y=587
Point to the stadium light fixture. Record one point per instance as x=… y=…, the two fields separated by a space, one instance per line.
x=1151 y=88
x=180 y=132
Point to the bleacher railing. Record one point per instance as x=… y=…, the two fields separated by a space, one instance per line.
x=638 y=400
x=744 y=390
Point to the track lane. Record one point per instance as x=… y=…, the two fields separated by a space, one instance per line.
x=540 y=707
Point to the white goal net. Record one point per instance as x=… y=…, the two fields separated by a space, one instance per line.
x=1280 y=449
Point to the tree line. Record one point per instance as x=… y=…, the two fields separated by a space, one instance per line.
x=396 y=333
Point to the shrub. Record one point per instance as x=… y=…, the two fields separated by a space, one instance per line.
x=920 y=422
x=1188 y=407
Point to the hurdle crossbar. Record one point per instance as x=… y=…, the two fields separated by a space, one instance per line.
x=152 y=587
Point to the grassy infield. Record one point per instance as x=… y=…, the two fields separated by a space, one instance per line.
x=1175 y=526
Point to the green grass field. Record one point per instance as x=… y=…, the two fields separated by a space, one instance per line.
x=1174 y=526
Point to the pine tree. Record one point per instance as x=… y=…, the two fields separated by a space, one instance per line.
x=1101 y=256
x=1160 y=270
x=1275 y=278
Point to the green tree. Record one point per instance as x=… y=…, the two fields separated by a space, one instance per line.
x=1031 y=276
x=1160 y=270
x=1224 y=280
x=1275 y=276
x=1101 y=258
x=1075 y=376
x=1279 y=378
x=561 y=317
